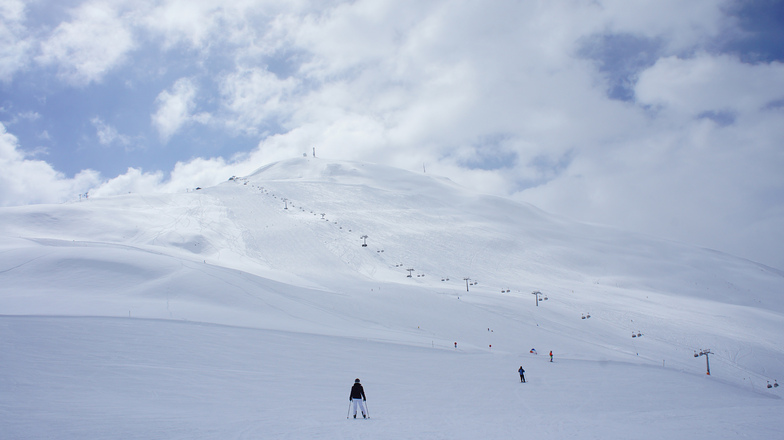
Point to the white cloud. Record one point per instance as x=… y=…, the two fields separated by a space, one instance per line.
x=253 y=96
x=197 y=172
x=15 y=45
x=184 y=21
x=108 y=135
x=680 y=25
x=24 y=181
x=97 y=40
x=677 y=173
x=133 y=181
x=175 y=108
x=707 y=82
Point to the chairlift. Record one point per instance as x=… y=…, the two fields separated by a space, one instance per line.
x=775 y=384
x=583 y=317
x=633 y=335
x=769 y=385
x=545 y=298
x=639 y=334
x=588 y=315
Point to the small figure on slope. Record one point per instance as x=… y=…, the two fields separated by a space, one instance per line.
x=522 y=374
x=357 y=396
x=551 y=355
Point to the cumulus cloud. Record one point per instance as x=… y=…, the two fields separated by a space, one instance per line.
x=710 y=83
x=108 y=135
x=24 y=181
x=681 y=26
x=95 y=41
x=254 y=97
x=696 y=167
x=174 y=108
x=15 y=45
x=198 y=172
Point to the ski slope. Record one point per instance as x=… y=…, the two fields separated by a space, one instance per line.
x=246 y=310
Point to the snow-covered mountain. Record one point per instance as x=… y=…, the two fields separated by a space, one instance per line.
x=246 y=310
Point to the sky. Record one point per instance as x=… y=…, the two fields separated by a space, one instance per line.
x=661 y=117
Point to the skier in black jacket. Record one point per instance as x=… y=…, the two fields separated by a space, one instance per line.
x=522 y=374
x=357 y=396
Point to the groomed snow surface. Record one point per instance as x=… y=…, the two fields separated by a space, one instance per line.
x=248 y=309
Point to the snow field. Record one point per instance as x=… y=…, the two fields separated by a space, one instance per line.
x=136 y=378
x=220 y=314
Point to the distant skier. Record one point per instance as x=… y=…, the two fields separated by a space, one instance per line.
x=551 y=355
x=522 y=374
x=357 y=396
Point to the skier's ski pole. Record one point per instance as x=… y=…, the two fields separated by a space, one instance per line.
x=348 y=411
x=367 y=409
